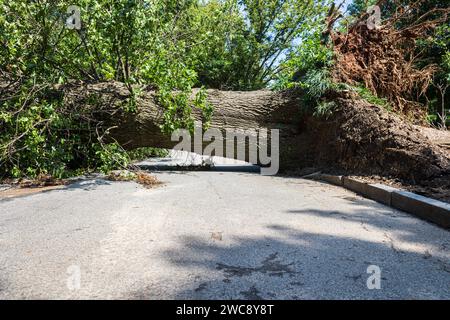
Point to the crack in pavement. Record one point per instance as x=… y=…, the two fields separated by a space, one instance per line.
x=392 y=244
x=270 y=266
x=251 y=294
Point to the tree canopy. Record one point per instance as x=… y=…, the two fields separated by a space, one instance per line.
x=171 y=46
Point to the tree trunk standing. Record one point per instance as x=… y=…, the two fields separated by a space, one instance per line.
x=442 y=114
x=358 y=138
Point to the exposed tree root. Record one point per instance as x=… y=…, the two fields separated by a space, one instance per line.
x=385 y=59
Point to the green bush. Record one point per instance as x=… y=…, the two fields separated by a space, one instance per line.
x=143 y=153
x=132 y=41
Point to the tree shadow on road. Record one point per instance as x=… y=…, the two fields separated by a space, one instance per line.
x=292 y=263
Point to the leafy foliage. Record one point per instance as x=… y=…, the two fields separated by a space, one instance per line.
x=247 y=39
x=364 y=93
x=143 y=153
x=308 y=68
x=132 y=41
x=171 y=46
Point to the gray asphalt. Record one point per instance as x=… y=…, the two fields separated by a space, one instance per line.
x=213 y=235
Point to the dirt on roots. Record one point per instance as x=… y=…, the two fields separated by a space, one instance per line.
x=367 y=141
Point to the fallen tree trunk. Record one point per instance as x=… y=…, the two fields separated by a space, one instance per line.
x=359 y=137
x=233 y=110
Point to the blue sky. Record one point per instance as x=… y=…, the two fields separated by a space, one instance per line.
x=347 y=2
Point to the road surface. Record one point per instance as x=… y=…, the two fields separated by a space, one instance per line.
x=216 y=235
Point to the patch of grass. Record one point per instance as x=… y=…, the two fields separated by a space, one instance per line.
x=140 y=154
x=365 y=94
x=317 y=83
x=325 y=109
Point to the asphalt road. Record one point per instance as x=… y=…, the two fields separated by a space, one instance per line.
x=213 y=235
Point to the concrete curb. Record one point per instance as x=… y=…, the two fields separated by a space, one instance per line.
x=425 y=208
x=377 y=192
x=336 y=180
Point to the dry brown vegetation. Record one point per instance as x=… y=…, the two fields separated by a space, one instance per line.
x=385 y=58
x=141 y=177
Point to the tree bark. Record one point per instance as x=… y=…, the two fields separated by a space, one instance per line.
x=233 y=111
x=358 y=138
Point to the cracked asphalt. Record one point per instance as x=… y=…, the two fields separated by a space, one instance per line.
x=215 y=235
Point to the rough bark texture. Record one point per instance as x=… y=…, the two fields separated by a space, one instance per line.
x=358 y=138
